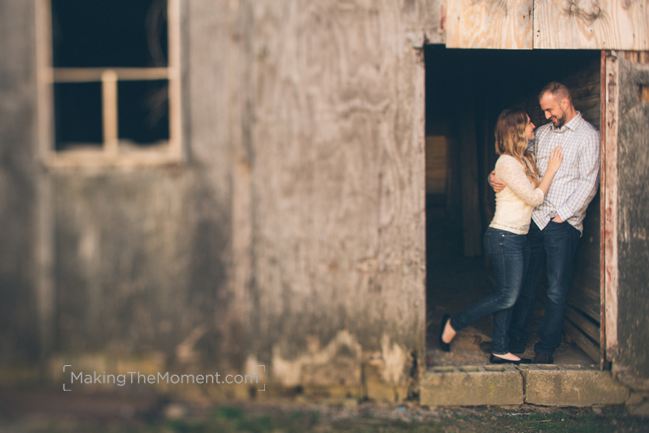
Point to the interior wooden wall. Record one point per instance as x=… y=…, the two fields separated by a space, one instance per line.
x=583 y=314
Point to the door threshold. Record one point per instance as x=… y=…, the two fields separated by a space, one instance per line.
x=507 y=385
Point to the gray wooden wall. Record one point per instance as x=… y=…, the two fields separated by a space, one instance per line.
x=632 y=357
x=18 y=329
x=293 y=235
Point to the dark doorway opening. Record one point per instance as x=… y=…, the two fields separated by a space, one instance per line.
x=465 y=92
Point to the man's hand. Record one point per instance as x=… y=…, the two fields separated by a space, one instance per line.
x=496 y=184
x=557 y=219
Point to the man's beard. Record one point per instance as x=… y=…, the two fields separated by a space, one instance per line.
x=560 y=121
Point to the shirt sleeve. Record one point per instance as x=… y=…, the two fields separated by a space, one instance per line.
x=588 y=166
x=512 y=173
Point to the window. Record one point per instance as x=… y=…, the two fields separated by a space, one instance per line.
x=110 y=81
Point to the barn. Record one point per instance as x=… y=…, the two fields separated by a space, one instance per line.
x=299 y=188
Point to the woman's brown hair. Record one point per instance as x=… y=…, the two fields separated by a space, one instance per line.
x=511 y=140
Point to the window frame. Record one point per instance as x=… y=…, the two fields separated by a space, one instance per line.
x=109 y=154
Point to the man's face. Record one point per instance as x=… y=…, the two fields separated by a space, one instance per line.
x=553 y=109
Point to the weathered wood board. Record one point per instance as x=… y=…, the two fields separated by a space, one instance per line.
x=632 y=353
x=489 y=24
x=596 y=24
x=338 y=187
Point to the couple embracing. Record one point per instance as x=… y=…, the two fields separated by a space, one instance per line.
x=544 y=182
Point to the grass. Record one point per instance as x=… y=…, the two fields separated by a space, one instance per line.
x=365 y=419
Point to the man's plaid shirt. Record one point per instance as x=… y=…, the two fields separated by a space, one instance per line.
x=575 y=184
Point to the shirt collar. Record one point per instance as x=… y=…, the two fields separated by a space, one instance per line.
x=572 y=125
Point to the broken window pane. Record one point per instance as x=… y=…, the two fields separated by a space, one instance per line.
x=77 y=115
x=115 y=33
x=143 y=108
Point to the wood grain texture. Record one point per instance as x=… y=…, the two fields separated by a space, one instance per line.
x=338 y=180
x=25 y=320
x=426 y=18
x=496 y=24
x=632 y=223
x=585 y=294
x=597 y=24
x=609 y=206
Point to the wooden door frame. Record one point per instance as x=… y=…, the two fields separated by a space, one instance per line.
x=608 y=207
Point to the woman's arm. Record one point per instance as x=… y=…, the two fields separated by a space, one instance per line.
x=512 y=173
x=553 y=166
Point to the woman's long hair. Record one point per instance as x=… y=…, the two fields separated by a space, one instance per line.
x=511 y=140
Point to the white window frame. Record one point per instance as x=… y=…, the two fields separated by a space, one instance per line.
x=110 y=153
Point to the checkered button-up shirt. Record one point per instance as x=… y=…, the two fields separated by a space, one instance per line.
x=575 y=184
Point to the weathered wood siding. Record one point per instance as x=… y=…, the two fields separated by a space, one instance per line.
x=489 y=24
x=632 y=354
x=142 y=258
x=598 y=24
x=555 y=24
x=338 y=190
x=18 y=186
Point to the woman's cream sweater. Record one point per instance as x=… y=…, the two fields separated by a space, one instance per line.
x=515 y=203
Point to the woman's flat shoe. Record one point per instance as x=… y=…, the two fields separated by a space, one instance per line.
x=446 y=347
x=498 y=360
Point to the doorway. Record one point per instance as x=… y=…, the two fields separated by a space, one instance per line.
x=465 y=92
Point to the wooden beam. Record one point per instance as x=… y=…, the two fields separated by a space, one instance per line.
x=79 y=75
x=44 y=251
x=472 y=224
x=174 y=74
x=602 y=212
x=609 y=210
x=489 y=24
x=596 y=24
x=109 y=112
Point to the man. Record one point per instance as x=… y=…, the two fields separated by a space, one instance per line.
x=557 y=224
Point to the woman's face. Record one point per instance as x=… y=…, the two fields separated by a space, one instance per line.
x=529 y=129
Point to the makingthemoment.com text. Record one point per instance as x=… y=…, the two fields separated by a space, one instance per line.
x=166 y=378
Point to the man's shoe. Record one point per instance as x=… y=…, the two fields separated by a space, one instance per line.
x=543 y=358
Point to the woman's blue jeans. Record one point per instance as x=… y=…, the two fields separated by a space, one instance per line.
x=508 y=254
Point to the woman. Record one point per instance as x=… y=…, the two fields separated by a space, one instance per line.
x=505 y=239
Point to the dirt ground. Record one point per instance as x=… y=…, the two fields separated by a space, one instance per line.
x=51 y=412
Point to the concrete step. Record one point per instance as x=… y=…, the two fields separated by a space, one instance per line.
x=496 y=385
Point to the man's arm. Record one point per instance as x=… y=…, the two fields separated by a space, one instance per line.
x=587 y=183
x=496 y=183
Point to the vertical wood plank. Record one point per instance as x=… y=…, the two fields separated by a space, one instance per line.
x=596 y=24
x=609 y=203
x=338 y=183
x=603 y=82
x=109 y=111
x=489 y=24
x=467 y=137
x=174 y=68
x=44 y=251
x=632 y=226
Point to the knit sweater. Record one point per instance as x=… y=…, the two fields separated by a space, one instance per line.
x=515 y=203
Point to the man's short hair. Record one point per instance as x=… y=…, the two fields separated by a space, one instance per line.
x=557 y=89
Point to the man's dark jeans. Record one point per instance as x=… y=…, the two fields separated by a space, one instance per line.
x=556 y=247
x=508 y=254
